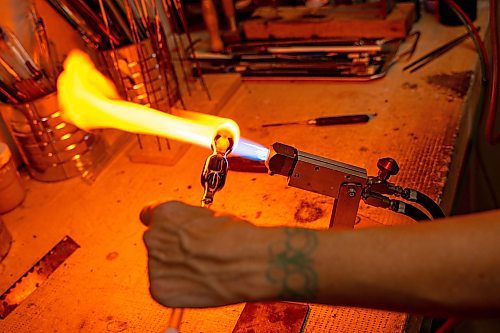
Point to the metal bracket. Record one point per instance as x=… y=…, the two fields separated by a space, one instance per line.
x=338 y=180
x=345 y=207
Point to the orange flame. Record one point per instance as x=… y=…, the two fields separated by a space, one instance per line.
x=91 y=101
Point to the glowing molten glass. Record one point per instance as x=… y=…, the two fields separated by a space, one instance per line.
x=91 y=101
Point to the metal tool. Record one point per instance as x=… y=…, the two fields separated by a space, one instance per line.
x=434 y=54
x=46 y=60
x=348 y=184
x=213 y=175
x=262 y=46
x=86 y=30
x=18 y=71
x=337 y=60
x=408 y=53
x=36 y=276
x=327 y=121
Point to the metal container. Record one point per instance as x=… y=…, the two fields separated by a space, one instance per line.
x=144 y=74
x=52 y=149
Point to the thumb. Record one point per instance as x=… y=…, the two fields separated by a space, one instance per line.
x=146 y=214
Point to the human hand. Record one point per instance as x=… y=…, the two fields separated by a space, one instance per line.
x=199 y=259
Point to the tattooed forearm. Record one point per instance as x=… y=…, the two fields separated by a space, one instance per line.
x=291 y=264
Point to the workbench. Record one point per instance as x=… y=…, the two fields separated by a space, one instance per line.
x=103 y=286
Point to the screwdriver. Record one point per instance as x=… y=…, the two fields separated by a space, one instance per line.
x=327 y=121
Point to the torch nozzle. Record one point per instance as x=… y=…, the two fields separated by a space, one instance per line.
x=281 y=159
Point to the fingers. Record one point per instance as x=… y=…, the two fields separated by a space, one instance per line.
x=163 y=210
x=179 y=213
x=173 y=211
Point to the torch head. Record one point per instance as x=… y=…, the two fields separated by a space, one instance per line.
x=281 y=159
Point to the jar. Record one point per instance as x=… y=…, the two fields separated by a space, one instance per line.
x=12 y=191
x=53 y=150
x=5 y=240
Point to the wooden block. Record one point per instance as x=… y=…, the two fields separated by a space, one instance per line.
x=327 y=22
x=272 y=317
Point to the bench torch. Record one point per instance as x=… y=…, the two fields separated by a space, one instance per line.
x=347 y=184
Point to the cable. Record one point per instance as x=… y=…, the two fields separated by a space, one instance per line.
x=451 y=323
x=485 y=66
x=408 y=210
x=473 y=31
x=448 y=326
x=429 y=204
x=490 y=121
x=490 y=107
x=482 y=107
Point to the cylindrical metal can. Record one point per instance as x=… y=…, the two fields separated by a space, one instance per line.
x=53 y=149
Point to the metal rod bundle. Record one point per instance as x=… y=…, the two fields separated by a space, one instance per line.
x=337 y=59
x=137 y=45
x=52 y=149
x=25 y=77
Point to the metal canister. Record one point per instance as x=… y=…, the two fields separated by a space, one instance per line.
x=53 y=149
x=12 y=191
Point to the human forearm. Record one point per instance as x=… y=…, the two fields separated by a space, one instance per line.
x=197 y=259
x=450 y=267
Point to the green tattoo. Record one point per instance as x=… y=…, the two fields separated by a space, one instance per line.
x=291 y=264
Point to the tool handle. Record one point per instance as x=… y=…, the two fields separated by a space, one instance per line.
x=340 y=120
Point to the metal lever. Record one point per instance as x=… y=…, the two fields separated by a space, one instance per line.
x=387 y=167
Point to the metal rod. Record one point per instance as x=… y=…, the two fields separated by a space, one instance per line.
x=169 y=69
x=175 y=320
x=177 y=45
x=434 y=54
x=180 y=11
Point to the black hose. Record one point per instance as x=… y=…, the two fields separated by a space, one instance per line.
x=429 y=204
x=426 y=202
x=408 y=210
